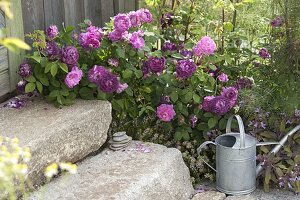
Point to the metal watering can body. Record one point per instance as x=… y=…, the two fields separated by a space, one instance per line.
x=236 y=169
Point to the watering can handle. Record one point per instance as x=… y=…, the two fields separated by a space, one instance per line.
x=241 y=128
x=199 y=149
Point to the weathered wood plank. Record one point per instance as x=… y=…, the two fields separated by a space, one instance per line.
x=74 y=12
x=93 y=11
x=4 y=83
x=15 y=29
x=129 y=5
x=33 y=15
x=107 y=10
x=119 y=6
x=2 y=20
x=54 y=12
x=3 y=59
x=137 y=4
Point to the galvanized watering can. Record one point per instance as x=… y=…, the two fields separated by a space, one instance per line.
x=236 y=159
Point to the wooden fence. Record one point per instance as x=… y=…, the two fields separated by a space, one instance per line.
x=38 y=14
x=30 y=15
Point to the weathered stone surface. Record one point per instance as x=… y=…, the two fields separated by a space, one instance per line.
x=258 y=194
x=131 y=174
x=242 y=197
x=53 y=135
x=209 y=195
x=274 y=194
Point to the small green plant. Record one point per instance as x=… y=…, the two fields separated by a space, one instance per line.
x=13 y=168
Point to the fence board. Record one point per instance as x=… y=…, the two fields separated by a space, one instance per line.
x=4 y=83
x=93 y=11
x=129 y=5
x=107 y=10
x=119 y=6
x=2 y=20
x=3 y=59
x=15 y=29
x=74 y=12
x=33 y=13
x=54 y=12
x=137 y=4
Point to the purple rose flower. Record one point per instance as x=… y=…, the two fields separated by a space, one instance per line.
x=91 y=38
x=168 y=46
x=70 y=55
x=88 y=40
x=113 y=62
x=219 y=105
x=145 y=15
x=193 y=120
x=96 y=72
x=214 y=73
x=96 y=31
x=51 y=32
x=205 y=46
x=166 y=20
x=115 y=35
x=263 y=53
x=231 y=94
x=134 y=19
x=21 y=86
x=244 y=83
x=136 y=40
x=121 y=22
x=156 y=64
x=185 y=69
x=186 y=53
x=165 y=112
x=223 y=78
x=122 y=87
x=206 y=103
x=24 y=70
x=277 y=22
x=73 y=77
x=16 y=103
x=165 y=99
x=53 y=51
x=146 y=69
x=108 y=83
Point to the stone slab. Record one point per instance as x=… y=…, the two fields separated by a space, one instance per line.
x=130 y=174
x=68 y=134
x=274 y=194
x=258 y=194
x=209 y=195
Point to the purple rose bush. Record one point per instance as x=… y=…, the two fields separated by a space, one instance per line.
x=122 y=63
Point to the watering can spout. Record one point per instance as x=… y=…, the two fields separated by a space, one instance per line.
x=275 y=150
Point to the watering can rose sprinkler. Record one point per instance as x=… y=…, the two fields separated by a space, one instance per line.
x=236 y=169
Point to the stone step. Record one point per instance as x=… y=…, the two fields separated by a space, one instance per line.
x=258 y=194
x=142 y=171
x=56 y=135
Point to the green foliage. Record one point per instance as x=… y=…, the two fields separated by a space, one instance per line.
x=281 y=169
x=13 y=167
x=241 y=28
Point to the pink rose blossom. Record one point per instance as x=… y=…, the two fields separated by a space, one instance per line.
x=145 y=15
x=134 y=19
x=165 y=112
x=206 y=102
x=223 y=78
x=121 y=22
x=205 y=46
x=73 y=77
x=121 y=87
x=136 y=40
